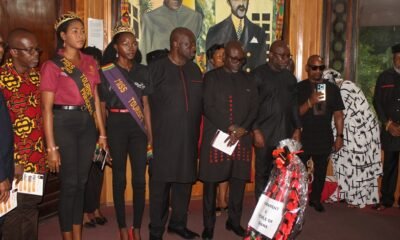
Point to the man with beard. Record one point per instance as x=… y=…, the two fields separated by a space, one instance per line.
x=20 y=84
x=238 y=27
x=278 y=116
x=316 y=111
x=230 y=105
x=6 y=147
x=176 y=105
x=158 y=24
x=387 y=106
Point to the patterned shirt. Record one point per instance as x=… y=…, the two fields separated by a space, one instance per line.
x=23 y=102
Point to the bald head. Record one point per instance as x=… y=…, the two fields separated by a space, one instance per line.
x=24 y=49
x=314 y=59
x=234 y=56
x=15 y=37
x=233 y=45
x=315 y=66
x=178 y=33
x=182 y=45
x=279 y=55
x=278 y=44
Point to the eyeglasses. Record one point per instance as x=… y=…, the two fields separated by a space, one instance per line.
x=315 y=67
x=30 y=51
x=237 y=60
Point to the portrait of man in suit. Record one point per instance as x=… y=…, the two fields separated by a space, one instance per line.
x=237 y=26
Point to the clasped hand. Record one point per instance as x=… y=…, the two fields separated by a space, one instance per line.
x=235 y=133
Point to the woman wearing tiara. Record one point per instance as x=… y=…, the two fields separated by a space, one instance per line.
x=70 y=108
x=124 y=85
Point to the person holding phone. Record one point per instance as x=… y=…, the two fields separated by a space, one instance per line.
x=71 y=105
x=316 y=117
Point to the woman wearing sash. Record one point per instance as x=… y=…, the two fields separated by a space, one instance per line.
x=124 y=90
x=70 y=108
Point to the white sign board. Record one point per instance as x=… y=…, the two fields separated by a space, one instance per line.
x=267 y=216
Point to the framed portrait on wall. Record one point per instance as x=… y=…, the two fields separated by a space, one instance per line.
x=266 y=16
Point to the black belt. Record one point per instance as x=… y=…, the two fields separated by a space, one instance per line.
x=70 y=107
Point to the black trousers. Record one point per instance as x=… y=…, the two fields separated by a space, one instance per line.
x=22 y=222
x=263 y=168
x=389 y=180
x=93 y=189
x=160 y=193
x=75 y=134
x=320 y=167
x=235 y=204
x=126 y=137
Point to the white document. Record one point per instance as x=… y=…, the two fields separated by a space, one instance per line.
x=267 y=216
x=31 y=183
x=95 y=33
x=220 y=144
x=6 y=207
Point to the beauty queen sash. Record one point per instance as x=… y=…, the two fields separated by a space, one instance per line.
x=79 y=78
x=125 y=93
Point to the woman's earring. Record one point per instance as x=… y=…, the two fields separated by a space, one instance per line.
x=64 y=44
x=116 y=55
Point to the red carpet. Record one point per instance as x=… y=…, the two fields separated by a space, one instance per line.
x=338 y=222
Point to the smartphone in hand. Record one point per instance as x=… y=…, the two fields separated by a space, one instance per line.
x=321 y=88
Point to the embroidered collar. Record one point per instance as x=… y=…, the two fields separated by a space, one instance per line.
x=11 y=79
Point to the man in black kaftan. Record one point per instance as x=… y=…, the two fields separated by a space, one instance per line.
x=278 y=115
x=230 y=105
x=176 y=104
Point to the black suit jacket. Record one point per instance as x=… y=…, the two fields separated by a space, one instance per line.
x=253 y=39
x=6 y=142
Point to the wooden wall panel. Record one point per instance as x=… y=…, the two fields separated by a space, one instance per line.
x=37 y=16
x=98 y=9
x=305 y=32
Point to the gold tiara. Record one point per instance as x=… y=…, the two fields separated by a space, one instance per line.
x=120 y=28
x=65 y=18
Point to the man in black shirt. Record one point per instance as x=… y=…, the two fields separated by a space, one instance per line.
x=316 y=110
x=278 y=116
x=387 y=106
x=230 y=105
x=176 y=105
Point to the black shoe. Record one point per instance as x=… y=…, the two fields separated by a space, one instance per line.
x=207 y=234
x=238 y=230
x=152 y=237
x=90 y=224
x=317 y=206
x=381 y=206
x=219 y=210
x=101 y=220
x=183 y=232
